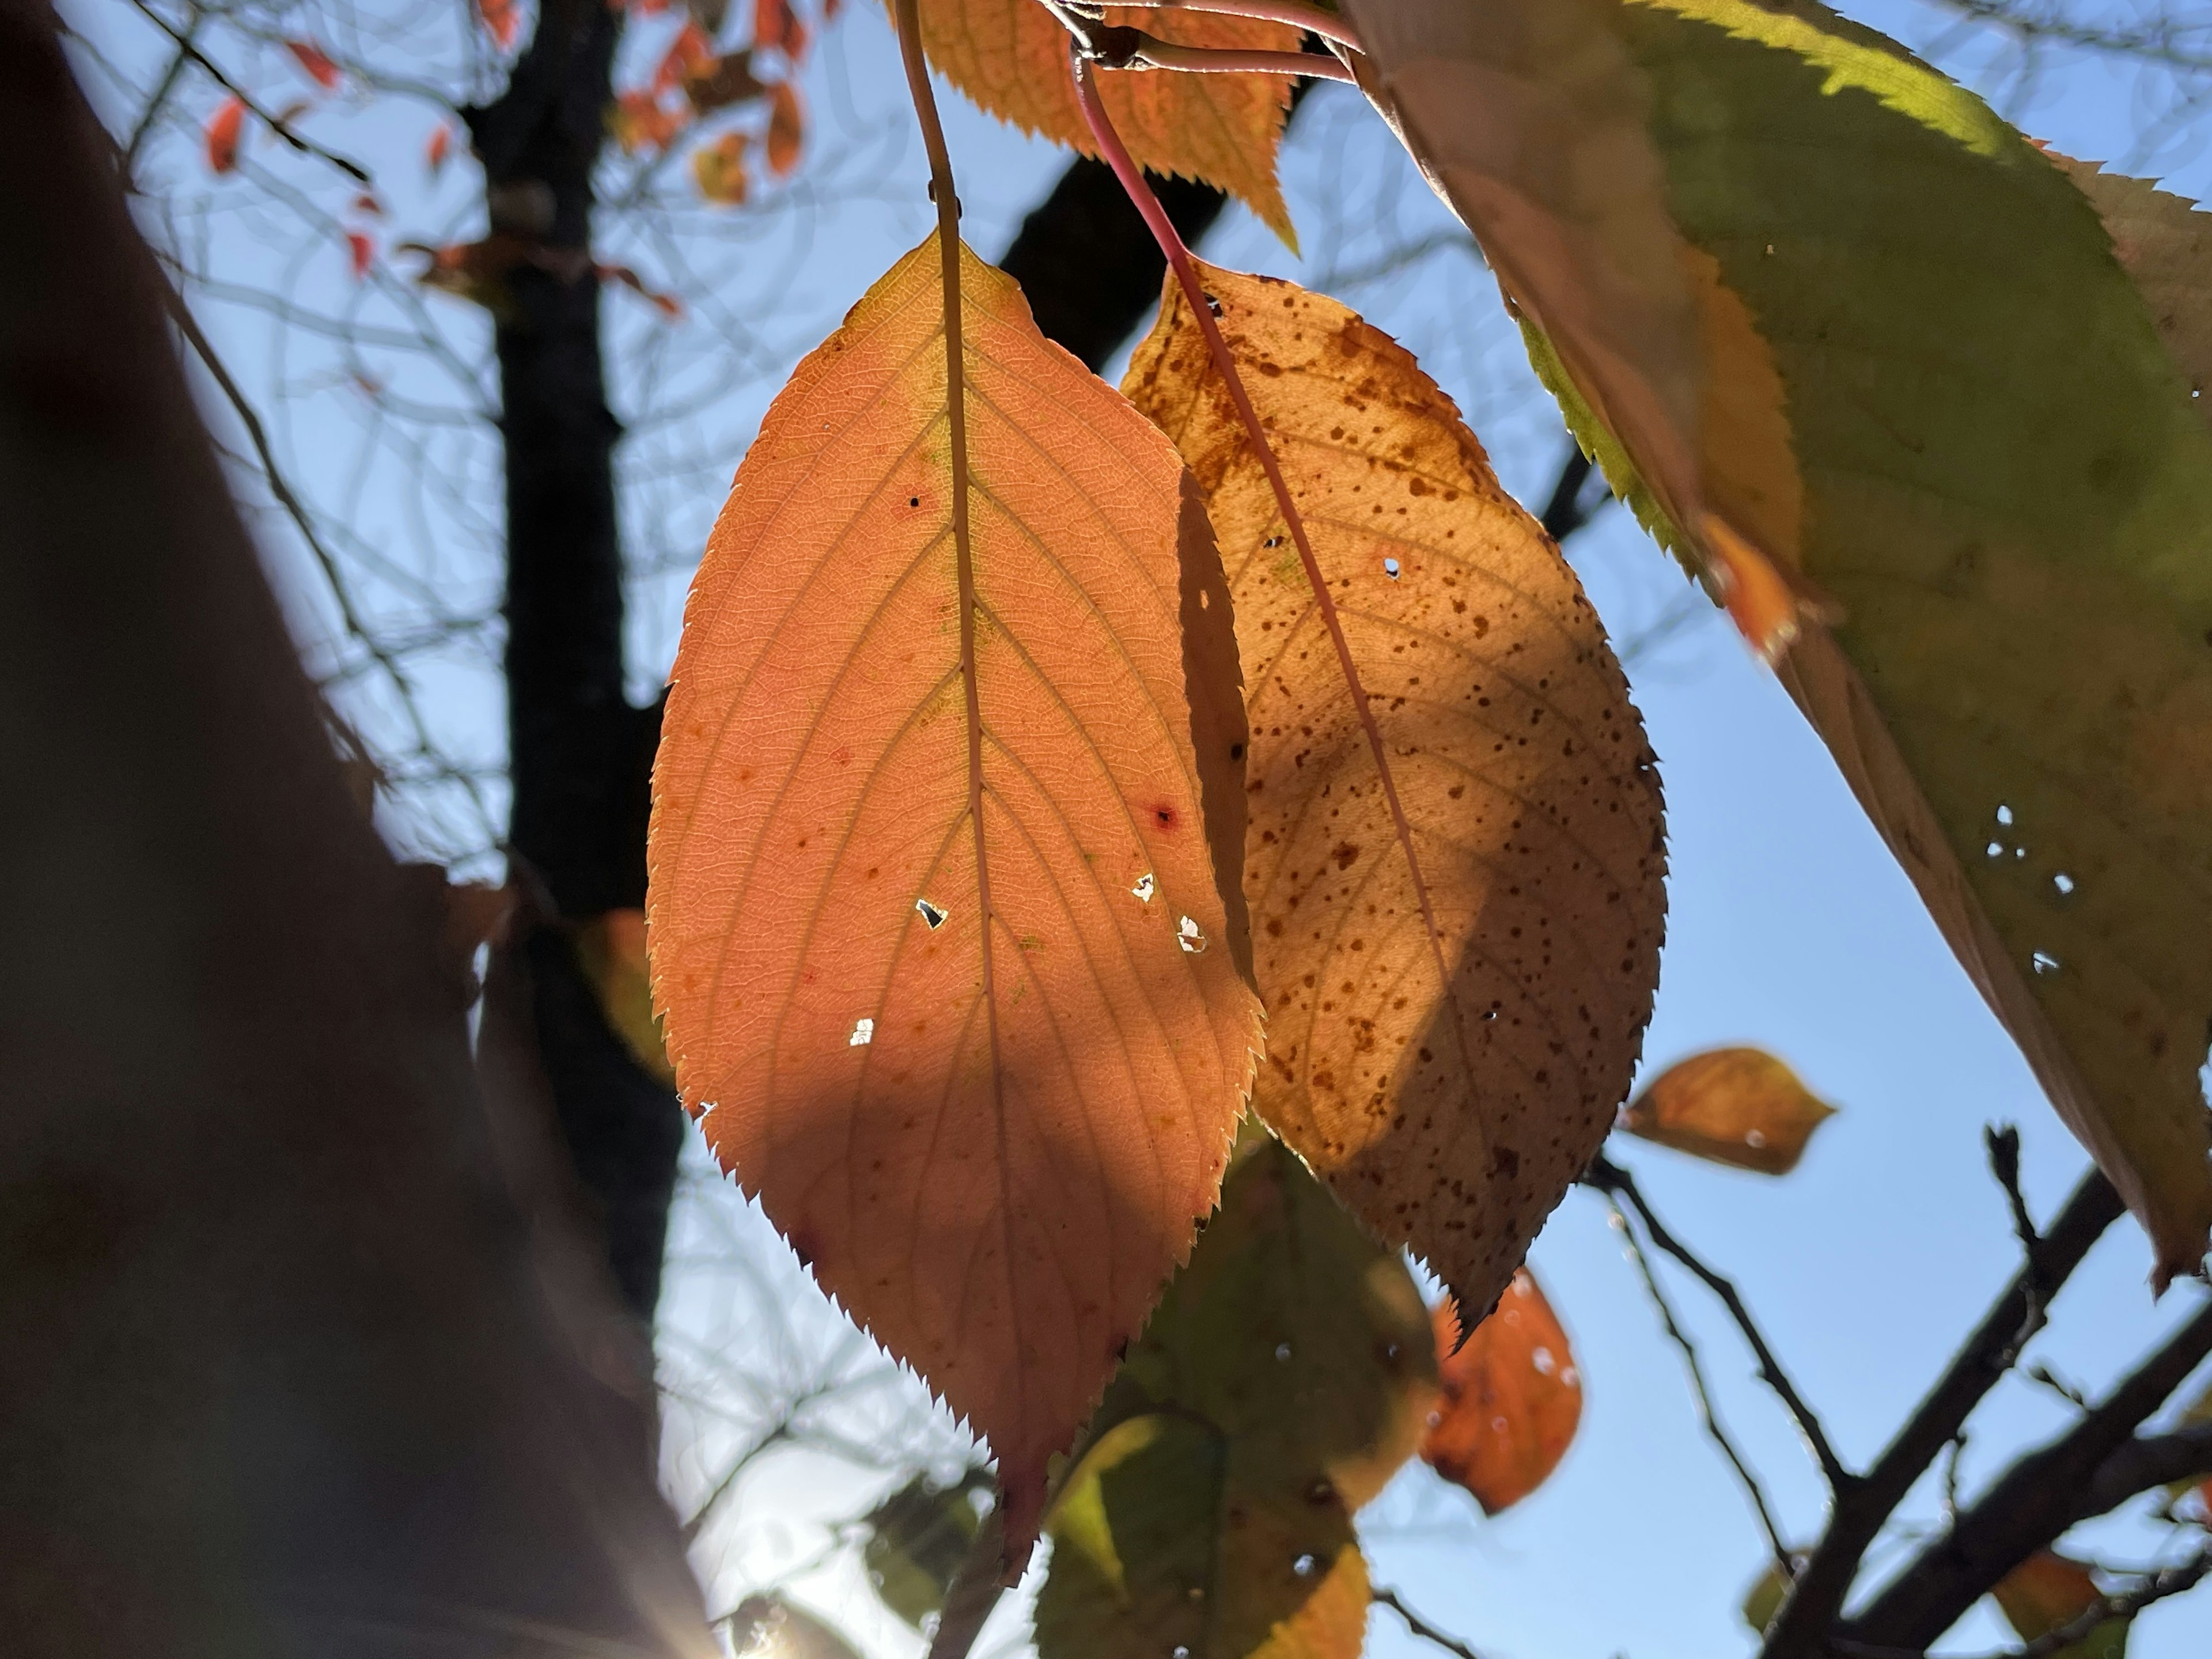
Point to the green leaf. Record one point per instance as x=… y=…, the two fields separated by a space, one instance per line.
x=1285 y=1375
x=1765 y=1598
x=1935 y=402
x=917 y=1538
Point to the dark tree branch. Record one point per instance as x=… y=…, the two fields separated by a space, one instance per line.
x=1609 y=1177
x=1572 y=505
x=2148 y=1460
x=1802 y=1630
x=2035 y=1501
x=1383 y=1596
x=2164 y=1583
x=580 y=757
x=1706 y=1414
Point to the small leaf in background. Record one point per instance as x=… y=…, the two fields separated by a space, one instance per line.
x=787 y=128
x=1764 y=1599
x=502 y=21
x=361 y=252
x=1457 y=940
x=2200 y=1411
x=1740 y=1107
x=986 y=1089
x=610 y=949
x=718 y=166
x=316 y=63
x=2047 y=1592
x=224 y=128
x=690 y=57
x=1011 y=58
x=642 y=123
x=1285 y=1375
x=668 y=305
x=769 y=1627
x=441 y=147
x=1511 y=1399
x=917 y=1538
x=778 y=28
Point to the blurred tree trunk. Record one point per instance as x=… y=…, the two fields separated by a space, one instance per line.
x=279 y=1370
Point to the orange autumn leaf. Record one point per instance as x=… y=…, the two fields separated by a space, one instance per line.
x=690 y=57
x=1454 y=864
x=1740 y=1107
x=1511 y=1401
x=718 y=167
x=224 y=128
x=361 y=252
x=610 y=949
x=502 y=21
x=640 y=122
x=935 y=925
x=2048 y=1592
x=787 y=128
x=778 y=28
x=316 y=63
x=1011 y=57
x=441 y=147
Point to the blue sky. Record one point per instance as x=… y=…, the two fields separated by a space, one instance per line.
x=1789 y=928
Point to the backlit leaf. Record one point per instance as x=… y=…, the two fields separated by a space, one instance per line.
x=1741 y=1107
x=2047 y=1592
x=441 y=147
x=944 y=962
x=917 y=1538
x=1764 y=1600
x=1995 y=473
x=223 y=130
x=691 y=56
x=1285 y=1375
x=718 y=166
x=1511 y=1399
x=778 y=28
x=1011 y=57
x=610 y=949
x=361 y=252
x=1529 y=117
x=2164 y=243
x=502 y=21
x=787 y=128
x=1457 y=986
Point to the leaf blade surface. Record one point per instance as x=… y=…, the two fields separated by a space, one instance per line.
x=991 y=1142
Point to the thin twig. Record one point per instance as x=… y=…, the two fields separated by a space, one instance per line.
x=2167 y=1581
x=1382 y=1595
x=1609 y=1177
x=275 y=123
x=1701 y=1392
x=157 y=101
x=2002 y=1141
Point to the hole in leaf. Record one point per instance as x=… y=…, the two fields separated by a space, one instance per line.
x=1188 y=935
x=2005 y=814
x=2044 y=962
x=1305 y=1566
x=931 y=913
x=1146 y=887
x=1995 y=850
x=1282 y=1351
x=864 y=1033
x=1390 y=569
x=2063 y=882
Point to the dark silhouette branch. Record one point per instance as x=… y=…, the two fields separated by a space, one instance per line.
x=2035 y=1501
x=1609 y=1177
x=1803 y=1627
x=1383 y=1596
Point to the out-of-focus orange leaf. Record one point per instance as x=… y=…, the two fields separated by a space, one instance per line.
x=224 y=129
x=719 y=168
x=312 y=58
x=1740 y=1107
x=2049 y=1591
x=690 y=57
x=787 y=128
x=502 y=21
x=935 y=922
x=1454 y=865
x=610 y=949
x=1512 y=1398
x=777 y=27
x=361 y=252
x=640 y=122
x=367 y=202
x=441 y=147
x=1011 y=57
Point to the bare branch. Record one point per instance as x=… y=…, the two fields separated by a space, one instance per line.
x=1703 y=1394
x=1610 y=1178
x=1382 y=1595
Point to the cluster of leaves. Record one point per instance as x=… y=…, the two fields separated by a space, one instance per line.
x=1047 y=772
